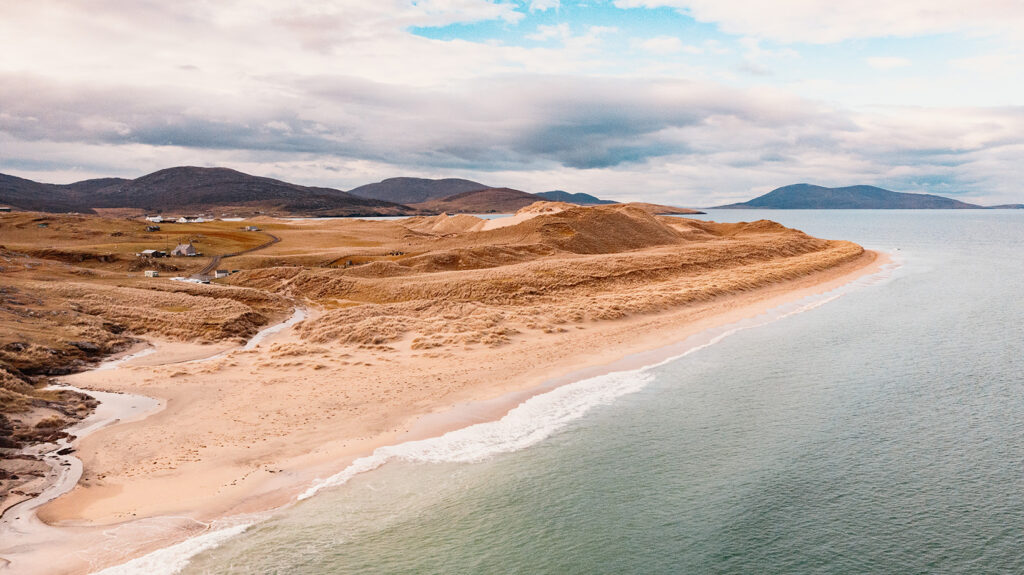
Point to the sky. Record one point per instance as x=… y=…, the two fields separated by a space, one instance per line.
x=688 y=102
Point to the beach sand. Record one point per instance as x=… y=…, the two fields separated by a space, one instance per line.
x=250 y=430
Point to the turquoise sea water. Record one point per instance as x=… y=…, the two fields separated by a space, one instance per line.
x=882 y=432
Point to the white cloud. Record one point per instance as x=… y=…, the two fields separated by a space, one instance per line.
x=548 y=32
x=888 y=62
x=826 y=22
x=662 y=45
x=544 y=5
x=1002 y=64
x=563 y=33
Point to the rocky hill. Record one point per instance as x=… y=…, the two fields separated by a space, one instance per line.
x=491 y=200
x=193 y=190
x=25 y=194
x=416 y=190
x=811 y=197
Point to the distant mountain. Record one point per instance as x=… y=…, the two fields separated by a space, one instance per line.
x=77 y=189
x=191 y=189
x=578 y=198
x=810 y=197
x=491 y=200
x=28 y=195
x=1007 y=207
x=416 y=190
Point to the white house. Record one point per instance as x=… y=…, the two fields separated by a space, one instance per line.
x=152 y=273
x=187 y=250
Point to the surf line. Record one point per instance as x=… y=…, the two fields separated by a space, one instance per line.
x=548 y=408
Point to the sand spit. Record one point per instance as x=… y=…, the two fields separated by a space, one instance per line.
x=404 y=320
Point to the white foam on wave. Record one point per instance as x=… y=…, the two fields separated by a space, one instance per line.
x=173 y=559
x=527 y=424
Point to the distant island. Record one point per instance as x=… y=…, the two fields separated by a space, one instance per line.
x=222 y=191
x=811 y=197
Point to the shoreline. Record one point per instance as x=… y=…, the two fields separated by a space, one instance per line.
x=491 y=402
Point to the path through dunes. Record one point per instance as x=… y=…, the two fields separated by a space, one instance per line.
x=215 y=260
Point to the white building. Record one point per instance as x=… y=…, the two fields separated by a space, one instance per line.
x=187 y=250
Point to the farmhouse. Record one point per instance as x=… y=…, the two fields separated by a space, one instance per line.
x=187 y=250
x=152 y=273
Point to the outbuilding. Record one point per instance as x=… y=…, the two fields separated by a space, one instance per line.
x=152 y=273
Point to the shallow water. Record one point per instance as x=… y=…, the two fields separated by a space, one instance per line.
x=878 y=433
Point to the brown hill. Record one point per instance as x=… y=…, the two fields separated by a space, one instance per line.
x=193 y=190
x=488 y=201
x=586 y=230
x=416 y=190
x=544 y=229
x=203 y=189
x=25 y=194
x=77 y=190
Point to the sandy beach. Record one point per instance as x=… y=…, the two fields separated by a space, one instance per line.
x=341 y=337
x=251 y=429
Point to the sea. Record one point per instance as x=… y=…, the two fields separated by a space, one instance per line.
x=875 y=429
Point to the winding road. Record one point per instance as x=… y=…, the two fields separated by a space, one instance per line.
x=215 y=260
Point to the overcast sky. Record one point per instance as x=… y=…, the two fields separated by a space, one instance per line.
x=692 y=102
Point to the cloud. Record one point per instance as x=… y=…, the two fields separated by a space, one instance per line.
x=663 y=45
x=888 y=62
x=1000 y=64
x=563 y=33
x=547 y=32
x=544 y=5
x=829 y=22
